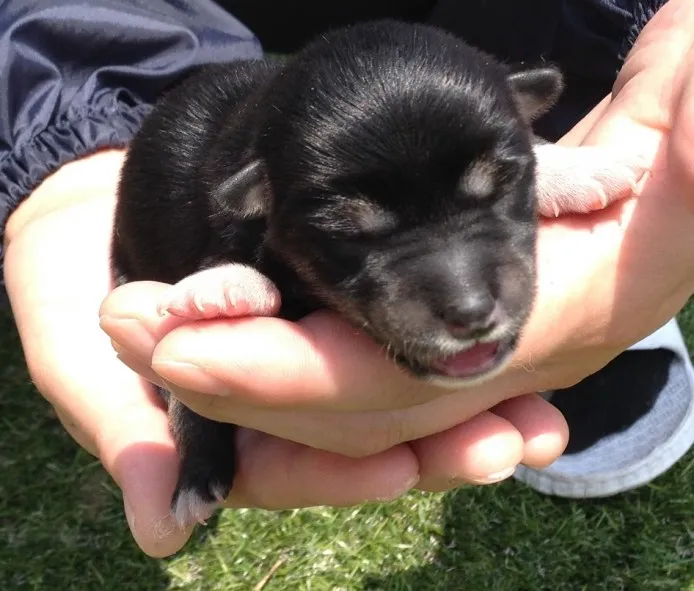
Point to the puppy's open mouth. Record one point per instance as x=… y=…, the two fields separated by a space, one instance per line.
x=475 y=361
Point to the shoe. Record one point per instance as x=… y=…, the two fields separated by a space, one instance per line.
x=628 y=423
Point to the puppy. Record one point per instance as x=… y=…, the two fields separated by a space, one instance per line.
x=386 y=171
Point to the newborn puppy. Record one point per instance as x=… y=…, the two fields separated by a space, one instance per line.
x=386 y=171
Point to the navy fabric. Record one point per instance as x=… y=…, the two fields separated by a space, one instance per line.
x=78 y=76
x=587 y=39
x=281 y=30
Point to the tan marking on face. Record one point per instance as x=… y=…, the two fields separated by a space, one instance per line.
x=479 y=179
x=366 y=214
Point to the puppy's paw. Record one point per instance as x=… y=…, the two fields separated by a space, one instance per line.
x=229 y=290
x=584 y=179
x=200 y=491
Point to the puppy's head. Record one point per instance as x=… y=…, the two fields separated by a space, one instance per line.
x=402 y=177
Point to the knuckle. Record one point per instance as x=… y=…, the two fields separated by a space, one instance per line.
x=389 y=431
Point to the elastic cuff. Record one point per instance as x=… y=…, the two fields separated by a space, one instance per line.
x=68 y=139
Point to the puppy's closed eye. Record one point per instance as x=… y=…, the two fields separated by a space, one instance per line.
x=352 y=216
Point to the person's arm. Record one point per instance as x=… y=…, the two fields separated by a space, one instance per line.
x=78 y=77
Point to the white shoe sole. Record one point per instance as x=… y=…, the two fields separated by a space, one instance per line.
x=629 y=459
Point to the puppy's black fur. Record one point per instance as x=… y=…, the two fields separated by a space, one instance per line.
x=385 y=171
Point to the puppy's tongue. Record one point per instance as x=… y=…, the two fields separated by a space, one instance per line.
x=475 y=360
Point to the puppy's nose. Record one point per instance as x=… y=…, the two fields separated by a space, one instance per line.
x=473 y=315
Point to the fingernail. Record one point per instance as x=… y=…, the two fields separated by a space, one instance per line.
x=398 y=492
x=129 y=334
x=140 y=368
x=189 y=377
x=497 y=476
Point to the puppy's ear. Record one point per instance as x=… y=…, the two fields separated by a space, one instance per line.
x=536 y=90
x=244 y=194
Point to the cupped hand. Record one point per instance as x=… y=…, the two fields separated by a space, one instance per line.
x=57 y=274
x=606 y=280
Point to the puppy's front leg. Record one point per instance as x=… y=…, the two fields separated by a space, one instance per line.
x=207 y=448
x=207 y=451
x=230 y=290
x=584 y=179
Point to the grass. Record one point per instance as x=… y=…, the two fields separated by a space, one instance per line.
x=62 y=528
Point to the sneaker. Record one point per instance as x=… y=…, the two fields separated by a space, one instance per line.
x=628 y=423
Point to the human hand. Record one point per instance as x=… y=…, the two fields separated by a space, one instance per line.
x=57 y=274
x=600 y=290
x=650 y=114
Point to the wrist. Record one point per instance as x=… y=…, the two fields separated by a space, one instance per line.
x=92 y=177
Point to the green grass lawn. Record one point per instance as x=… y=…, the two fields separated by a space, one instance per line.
x=62 y=528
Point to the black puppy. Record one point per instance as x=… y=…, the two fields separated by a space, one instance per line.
x=386 y=171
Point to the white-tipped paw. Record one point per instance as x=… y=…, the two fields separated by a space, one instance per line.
x=584 y=179
x=231 y=290
x=189 y=507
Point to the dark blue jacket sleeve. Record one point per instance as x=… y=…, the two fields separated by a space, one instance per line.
x=77 y=76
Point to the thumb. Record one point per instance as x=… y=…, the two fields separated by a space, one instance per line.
x=681 y=146
x=136 y=448
x=144 y=468
x=116 y=414
x=644 y=97
x=121 y=414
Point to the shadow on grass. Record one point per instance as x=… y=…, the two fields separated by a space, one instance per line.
x=61 y=516
x=641 y=540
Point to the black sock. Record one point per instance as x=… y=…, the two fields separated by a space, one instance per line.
x=614 y=398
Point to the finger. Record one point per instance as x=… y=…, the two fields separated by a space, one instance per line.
x=321 y=361
x=641 y=109
x=483 y=450
x=139 y=453
x=129 y=316
x=577 y=134
x=140 y=368
x=319 y=364
x=353 y=434
x=542 y=427
x=356 y=435
x=681 y=145
x=278 y=474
